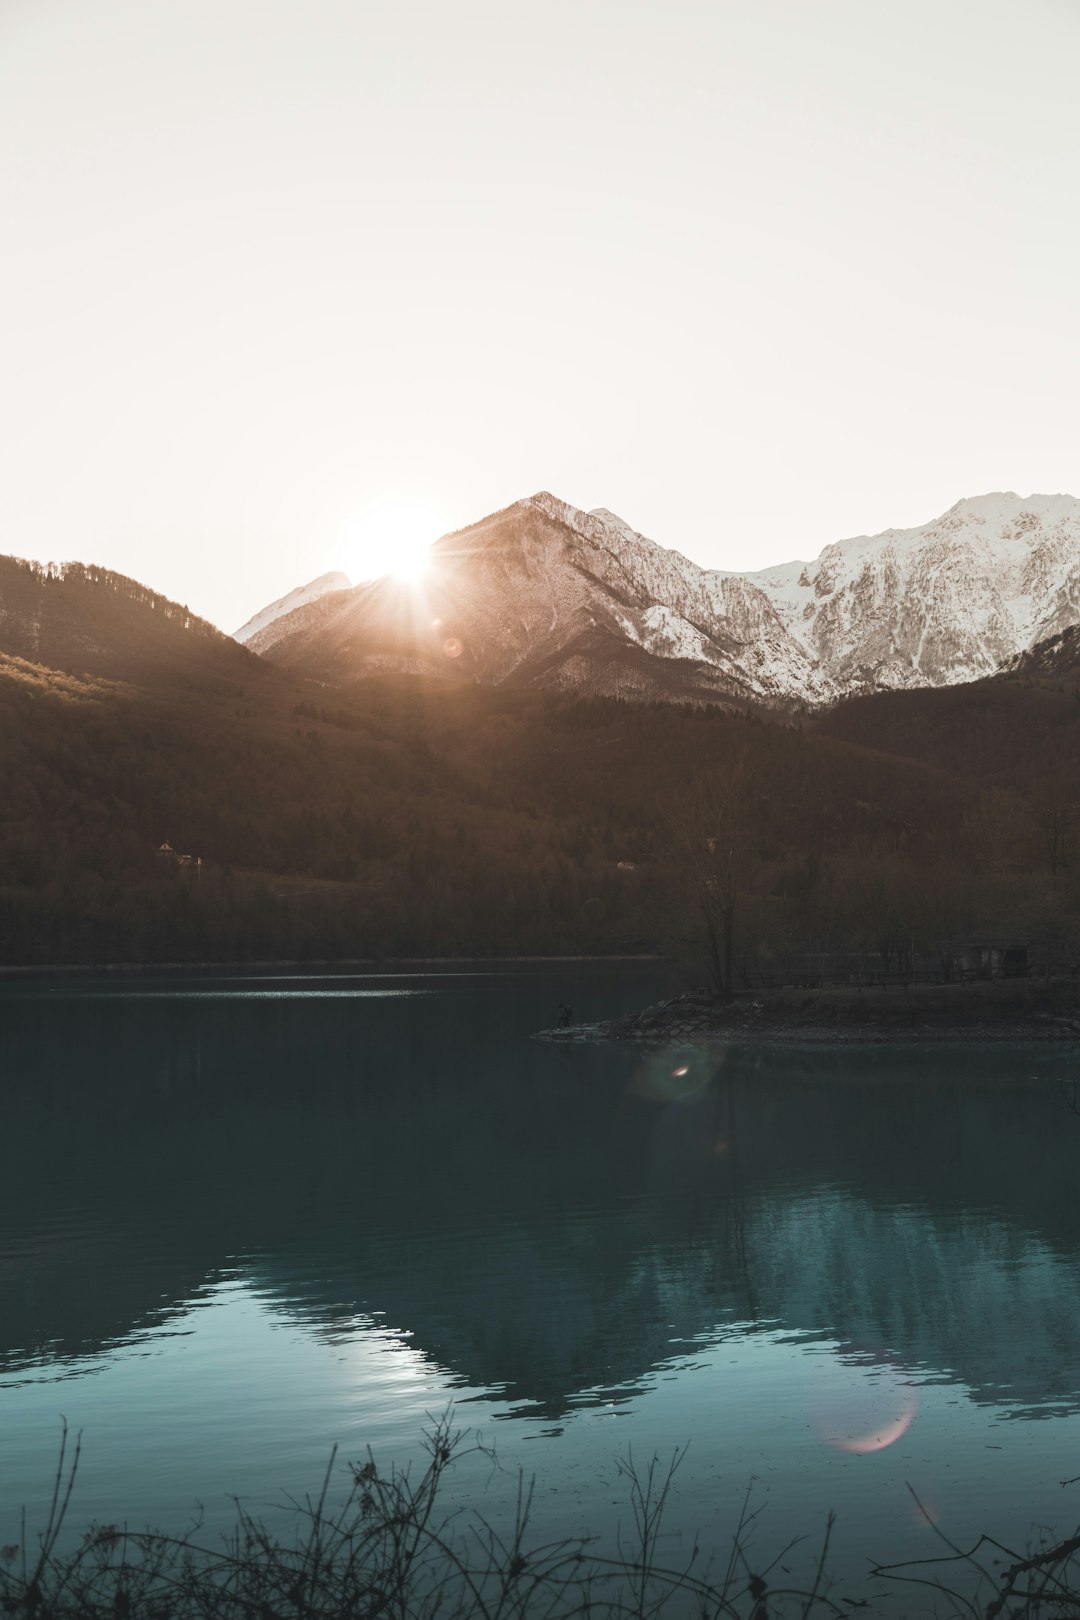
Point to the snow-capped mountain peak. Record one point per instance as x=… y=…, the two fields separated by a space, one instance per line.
x=546 y=593
x=947 y=601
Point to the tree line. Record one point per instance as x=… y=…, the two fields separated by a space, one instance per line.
x=408 y=818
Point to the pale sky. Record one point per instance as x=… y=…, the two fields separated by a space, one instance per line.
x=755 y=274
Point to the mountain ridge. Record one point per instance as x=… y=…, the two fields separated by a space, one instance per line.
x=406 y=815
x=940 y=604
x=300 y=596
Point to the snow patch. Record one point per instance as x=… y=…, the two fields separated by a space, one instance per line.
x=300 y=597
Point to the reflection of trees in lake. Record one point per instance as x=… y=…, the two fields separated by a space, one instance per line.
x=543 y=1225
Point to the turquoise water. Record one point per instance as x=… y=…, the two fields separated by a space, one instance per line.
x=243 y=1220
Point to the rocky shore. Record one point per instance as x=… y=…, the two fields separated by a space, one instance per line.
x=1014 y=1010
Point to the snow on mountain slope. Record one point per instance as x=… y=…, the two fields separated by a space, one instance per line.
x=543 y=592
x=300 y=597
x=717 y=605
x=946 y=602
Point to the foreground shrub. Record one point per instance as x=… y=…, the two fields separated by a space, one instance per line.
x=389 y=1550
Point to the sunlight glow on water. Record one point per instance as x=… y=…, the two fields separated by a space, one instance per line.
x=276 y=994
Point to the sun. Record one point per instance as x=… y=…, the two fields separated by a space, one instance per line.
x=390 y=537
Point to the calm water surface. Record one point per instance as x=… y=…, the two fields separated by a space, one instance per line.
x=242 y=1219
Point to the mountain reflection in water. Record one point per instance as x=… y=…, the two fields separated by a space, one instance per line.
x=550 y=1224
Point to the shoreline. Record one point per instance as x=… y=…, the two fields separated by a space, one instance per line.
x=986 y=1011
x=815 y=1035
x=314 y=965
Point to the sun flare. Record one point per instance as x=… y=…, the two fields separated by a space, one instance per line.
x=393 y=537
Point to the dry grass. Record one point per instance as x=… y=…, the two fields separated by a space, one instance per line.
x=391 y=1550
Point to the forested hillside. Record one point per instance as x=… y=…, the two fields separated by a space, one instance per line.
x=405 y=816
x=89 y=620
x=1012 y=730
x=394 y=818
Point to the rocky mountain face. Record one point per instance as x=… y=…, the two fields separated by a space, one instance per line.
x=944 y=603
x=540 y=594
x=543 y=594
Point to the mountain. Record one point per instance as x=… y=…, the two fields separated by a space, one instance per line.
x=408 y=815
x=400 y=816
x=937 y=605
x=543 y=594
x=300 y=597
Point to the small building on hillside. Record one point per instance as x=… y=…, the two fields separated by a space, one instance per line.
x=167 y=853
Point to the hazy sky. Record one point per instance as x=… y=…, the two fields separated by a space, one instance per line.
x=755 y=274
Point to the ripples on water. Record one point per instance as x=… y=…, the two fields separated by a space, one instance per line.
x=244 y=1219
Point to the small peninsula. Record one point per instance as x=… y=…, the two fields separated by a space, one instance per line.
x=996 y=1010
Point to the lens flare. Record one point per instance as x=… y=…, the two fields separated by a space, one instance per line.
x=879 y=1439
x=869 y=1407
x=674 y=1076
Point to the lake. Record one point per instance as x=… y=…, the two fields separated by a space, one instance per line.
x=246 y=1218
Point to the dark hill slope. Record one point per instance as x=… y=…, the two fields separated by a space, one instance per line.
x=1057 y=658
x=401 y=816
x=1010 y=730
x=90 y=621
